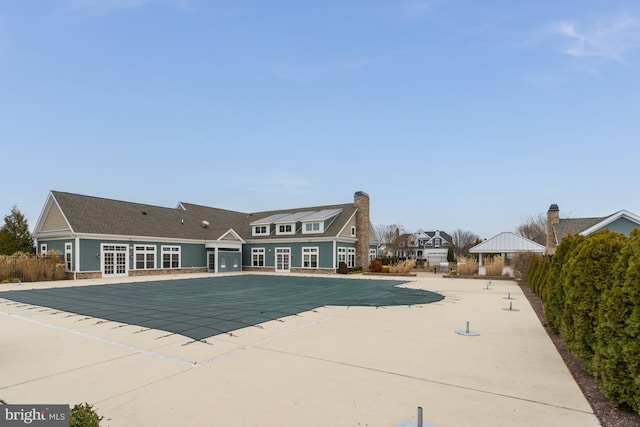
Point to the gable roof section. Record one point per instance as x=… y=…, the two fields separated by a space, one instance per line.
x=611 y=219
x=507 y=242
x=100 y=216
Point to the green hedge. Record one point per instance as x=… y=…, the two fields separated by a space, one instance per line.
x=591 y=296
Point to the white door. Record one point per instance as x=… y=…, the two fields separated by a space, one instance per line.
x=114 y=260
x=283 y=259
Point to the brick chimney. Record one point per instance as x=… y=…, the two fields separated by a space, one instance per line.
x=553 y=217
x=361 y=202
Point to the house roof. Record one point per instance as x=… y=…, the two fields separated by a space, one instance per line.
x=432 y=234
x=586 y=226
x=507 y=242
x=95 y=215
x=568 y=226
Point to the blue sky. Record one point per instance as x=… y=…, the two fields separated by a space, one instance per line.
x=448 y=113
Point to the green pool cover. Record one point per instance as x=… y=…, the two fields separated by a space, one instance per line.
x=203 y=307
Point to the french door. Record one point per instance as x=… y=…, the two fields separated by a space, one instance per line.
x=114 y=260
x=283 y=259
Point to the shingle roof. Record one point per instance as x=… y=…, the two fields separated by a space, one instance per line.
x=95 y=215
x=568 y=226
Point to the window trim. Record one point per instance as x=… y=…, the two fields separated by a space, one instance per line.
x=144 y=250
x=316 y=227
x=311 y=252
x=260 y=230
x=351 y=257
x=258 y=252
x=171 y=250
x=68 y=256
x=290 y=225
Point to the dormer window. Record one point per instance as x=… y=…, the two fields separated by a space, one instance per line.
x=312 y=227
x=436 y=243
x=285 y=229
x=260 y=230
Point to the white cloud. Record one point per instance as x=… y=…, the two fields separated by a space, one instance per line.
x=611 y=39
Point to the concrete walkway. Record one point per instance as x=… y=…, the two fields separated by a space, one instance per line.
x=333 y=366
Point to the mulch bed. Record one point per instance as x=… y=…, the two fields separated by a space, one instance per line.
x=608 y=415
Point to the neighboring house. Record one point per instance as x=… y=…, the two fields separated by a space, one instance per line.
x=557 y=228
x=432 y=246
x=429 y=246
x=107 y=238
x=505 y=244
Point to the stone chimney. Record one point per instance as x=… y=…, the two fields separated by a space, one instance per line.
x=553 y=217
x=361 y=203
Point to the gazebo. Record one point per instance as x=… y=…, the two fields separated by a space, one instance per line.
x=506 y=244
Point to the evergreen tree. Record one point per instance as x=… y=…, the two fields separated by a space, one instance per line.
x=617 y=352
x=555 y=296
x=590 y=278
x=15 y=235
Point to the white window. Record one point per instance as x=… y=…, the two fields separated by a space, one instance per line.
x=68 y=257
x=43 y=249
x=351 y=257
x=145 y=257
x=257 y=257
x=260 y=230
x=285 y=229
x=353 y=230
x=436 y=243
x=342 y=255
x=171 y=257
x=310 y=257
x=312 y=227
x=373 y=254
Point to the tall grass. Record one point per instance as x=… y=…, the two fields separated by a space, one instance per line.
x=403 y=267
x=467 y=266
x=494 y=265
x=32 y=268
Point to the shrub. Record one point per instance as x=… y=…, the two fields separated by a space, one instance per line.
x=385 y=269
x=617 y=351
x=554 y=305
x=520 y=264
x=403 y=266
x=494 y=266
x=467 y=266
x=342 y=268
x=32 y=268
x=83 y=415
x=453 y=272
x=591 y=276
x=375 y=266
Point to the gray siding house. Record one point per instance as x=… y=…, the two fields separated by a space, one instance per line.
x=109 y=238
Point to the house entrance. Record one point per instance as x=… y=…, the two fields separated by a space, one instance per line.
x=211 y=261
x=114 y=260
x=283 y=259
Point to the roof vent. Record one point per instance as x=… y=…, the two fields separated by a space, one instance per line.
x=205 y=224
x=144 y=212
